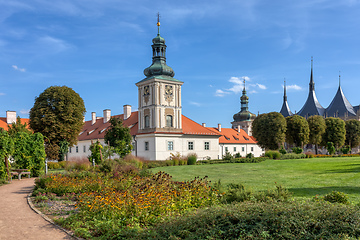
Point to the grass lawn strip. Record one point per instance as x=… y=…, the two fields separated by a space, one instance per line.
x=305 y=178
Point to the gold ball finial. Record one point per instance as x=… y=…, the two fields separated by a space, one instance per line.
x=158 y=24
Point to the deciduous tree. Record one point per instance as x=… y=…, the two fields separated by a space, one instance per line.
x=317 y=129
x=297 y=130
x=58 y=114
x=17 y=127
x=352 y=133
x=118 y=136
x=269 y=130
x=335 y=132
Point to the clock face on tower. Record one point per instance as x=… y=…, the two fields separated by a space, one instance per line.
x=168 y=92
x=146 y=91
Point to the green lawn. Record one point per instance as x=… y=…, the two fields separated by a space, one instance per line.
x=303 y=177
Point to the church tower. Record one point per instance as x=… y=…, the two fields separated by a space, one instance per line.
x=159 y=94
x=244 y=118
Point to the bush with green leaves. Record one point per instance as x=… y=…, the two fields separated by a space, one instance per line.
x=293 y=156
x=282 y=150
x=345 y=149
x=256 y=220
x=337 y=197
x=227 y=156
x=330 y=148
x=236 y=193
x=273 y=154
x=192 y=159
x=297 y=150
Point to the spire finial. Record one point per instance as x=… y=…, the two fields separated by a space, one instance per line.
x=311 y=84
x=339 y=78
x=285 y=97
x=244 y=82
x=158 y=22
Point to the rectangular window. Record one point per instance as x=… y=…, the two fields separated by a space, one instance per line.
x=84 y=148
x=146 y=146
x=234 y=149
x=170 y=145
x=69 y=149
x=226 y=149
x=77 y=149
x=243 y=149
x=252 y=149
x=207 y=146
x=190 y=145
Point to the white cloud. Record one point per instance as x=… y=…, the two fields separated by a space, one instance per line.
x=195 y=103
x=24 y=111
x=18 y=69
x=220 y=93
x=54 y=44
x=2 y=94
x=238 y=83
x=261 y=86
x=294 y=87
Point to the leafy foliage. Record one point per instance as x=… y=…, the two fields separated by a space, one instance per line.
x=29 y=152
x=352 y=133
x=297 y=150
x=118 y=136
x=57 y=114
x=297 y=130
x=269 y=130
x=96 y=153
x=335 y=132
x=192 y=159
x=337 y=197
x=257 y=220
x=17 y=127
x=317 y=128
x=64 y=148
x=6 y=150
x=330 y=148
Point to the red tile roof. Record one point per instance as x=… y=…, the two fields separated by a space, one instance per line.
x=4 y=125
x=98 y=130
x=229 y=135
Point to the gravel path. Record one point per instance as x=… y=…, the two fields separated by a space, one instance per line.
x=18 y=220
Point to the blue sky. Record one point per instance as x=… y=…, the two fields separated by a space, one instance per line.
x=101 y=47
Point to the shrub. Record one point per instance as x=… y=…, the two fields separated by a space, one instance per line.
x=273 y=154
x=293 y=156
x=345 y=149
x=337 y=197
x=330 y=148
x=250 y=155
x=249 y=220
x=227 y=156
x=191 y=159
x=297 y=150
x=279 y=194
x=237 y=155
x=309 y=155
x=236 y=193
x=282 y=150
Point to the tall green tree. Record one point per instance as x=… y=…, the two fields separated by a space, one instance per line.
x=57 y=114
x=297 y=130
x=352 y=133
x=317 y=128
x=118 y=136
x=269 y=130
x=335 y=132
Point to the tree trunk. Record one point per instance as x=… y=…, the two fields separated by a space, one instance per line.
x=7 y=168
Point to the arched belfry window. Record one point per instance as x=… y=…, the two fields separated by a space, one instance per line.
x=147 y=121
x=169 y=121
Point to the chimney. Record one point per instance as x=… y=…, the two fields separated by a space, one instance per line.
x=203 y=124
x=93 y=118
x=83 y=118
x=219 y=127
x=107 y=115
x=127 y=111
x=10 y=117
x=238 y=128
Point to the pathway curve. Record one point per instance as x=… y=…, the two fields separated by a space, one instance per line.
x=18 y=220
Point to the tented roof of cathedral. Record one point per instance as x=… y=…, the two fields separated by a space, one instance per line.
x=340 y=106
x=285 y=109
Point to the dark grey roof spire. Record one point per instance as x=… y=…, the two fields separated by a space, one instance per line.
x=340 y=106
x=312 y=105
x=285 y=110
